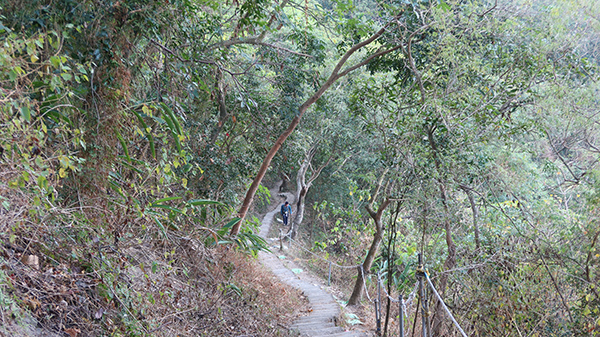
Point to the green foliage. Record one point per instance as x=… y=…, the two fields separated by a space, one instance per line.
x=141 y=123
x=76 y=132
x=263 y=198
x=247 y=239
x=7 y=302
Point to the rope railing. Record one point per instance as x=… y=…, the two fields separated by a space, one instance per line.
x=410 y=298
x=444 y=305
x=363 y=274
x=403 y=303
x=319 y=257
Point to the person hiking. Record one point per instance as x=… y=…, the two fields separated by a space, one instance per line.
x=286 y=212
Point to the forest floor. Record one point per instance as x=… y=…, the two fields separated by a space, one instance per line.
x=324 y=316
x=163 y=287
x=63 y=299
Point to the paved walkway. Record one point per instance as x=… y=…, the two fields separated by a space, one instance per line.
x=321 y=322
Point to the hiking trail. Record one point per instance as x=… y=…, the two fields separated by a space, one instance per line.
x=321 y=321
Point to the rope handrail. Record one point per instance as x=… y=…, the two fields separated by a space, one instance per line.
x=362 y=271
x=406 y=303
x=393 y=300
x=360 y=266
x=444 y=304
x=321 y=258
x=411 y=296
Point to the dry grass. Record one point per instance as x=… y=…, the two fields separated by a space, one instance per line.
x=227 y=293
x=209 y=292
x=70 y=280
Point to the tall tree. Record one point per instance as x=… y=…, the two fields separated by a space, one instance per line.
x=374 y=46
x=385 y=186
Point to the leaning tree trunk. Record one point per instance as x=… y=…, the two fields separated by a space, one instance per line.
x=336 y=74
x=263 y=170
x=220 y=90
x=451 y=258
x=366 y=265
x=299 y=212
x=303 y=186
x=301 y=190
x=363 y=269
x=469 y=192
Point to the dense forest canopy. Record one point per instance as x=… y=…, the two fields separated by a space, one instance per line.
x=466 y=131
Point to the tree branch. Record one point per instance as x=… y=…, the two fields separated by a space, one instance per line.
x=254 y=40
x=577 y=179
x=166 y=49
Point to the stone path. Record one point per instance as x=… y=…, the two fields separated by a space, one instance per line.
x=321 y=321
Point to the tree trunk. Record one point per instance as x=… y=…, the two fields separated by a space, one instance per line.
x=391 y=248
x=220 y=92
x=285 y=179
x=451 y=258
x=475 y=210
x=336 y=74
x=262 y=171
x=267 y=161
x=448 y=264
x=364 y=269
x=366 y=265
x=299 y=212
x=303 y=187
x=301 y=190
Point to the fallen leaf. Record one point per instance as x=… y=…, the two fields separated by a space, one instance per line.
x=31 y=260
x=32 y=303
x=72 y=332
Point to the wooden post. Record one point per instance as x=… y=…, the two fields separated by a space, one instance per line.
x=280 y=240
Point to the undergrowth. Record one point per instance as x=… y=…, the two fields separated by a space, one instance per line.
x=146 y=288
x=101 y=233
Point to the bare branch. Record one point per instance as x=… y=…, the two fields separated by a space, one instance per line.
x=171 y=52
x=561 y=158
x=256 y=41
x=489 y=10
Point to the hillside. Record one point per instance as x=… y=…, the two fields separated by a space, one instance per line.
x=450 y=142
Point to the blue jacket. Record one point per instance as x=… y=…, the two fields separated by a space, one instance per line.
x=287 y=209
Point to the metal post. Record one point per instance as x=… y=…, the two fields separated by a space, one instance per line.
x=401 y=300
x=379 y=291
x=378 y=305
x=423 y=298
x=329 y=279
x=427 y=318
x=377 y=317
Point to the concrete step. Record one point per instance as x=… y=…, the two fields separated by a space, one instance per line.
x=323 y=331
x=320 y=322
x=311 y=324
x=348 y=334
x=315 y=318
